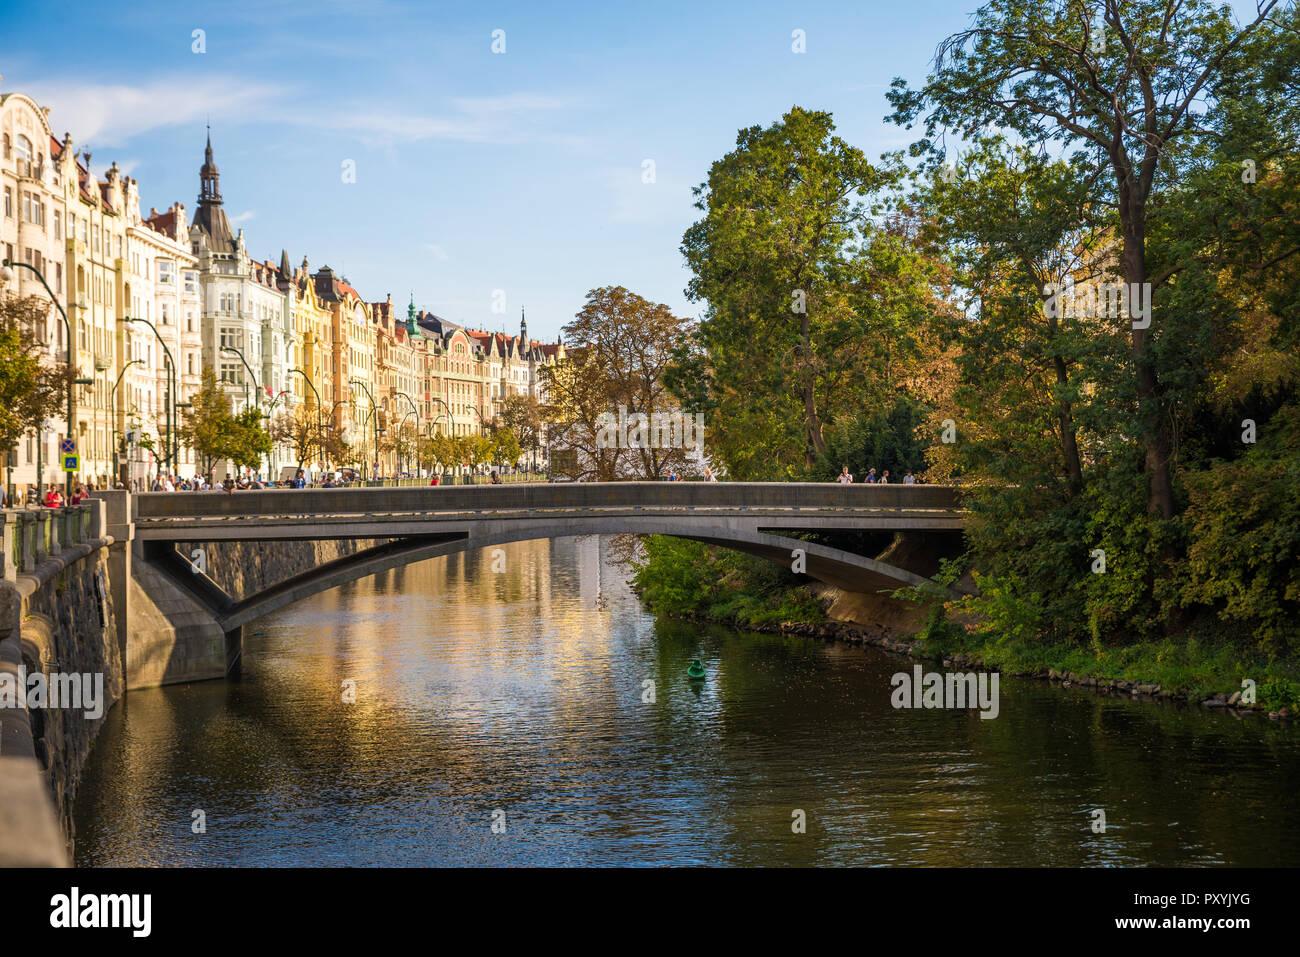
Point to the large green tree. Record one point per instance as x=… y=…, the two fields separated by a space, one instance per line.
x=32 y=388
x=1125 y=85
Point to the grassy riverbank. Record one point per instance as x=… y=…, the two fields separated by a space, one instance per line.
x=680 y=578
x=686 y=579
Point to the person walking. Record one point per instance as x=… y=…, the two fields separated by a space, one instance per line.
x=845 y=477
x=884 y=477
x=909 y=479
x=871 y=477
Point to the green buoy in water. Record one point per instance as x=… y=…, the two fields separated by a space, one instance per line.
x=695 y=672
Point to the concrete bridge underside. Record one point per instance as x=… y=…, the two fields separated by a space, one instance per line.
x=415 y=524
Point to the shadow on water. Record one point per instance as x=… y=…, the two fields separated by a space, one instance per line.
x=546 y=697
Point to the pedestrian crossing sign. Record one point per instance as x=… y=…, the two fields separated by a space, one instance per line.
x=71 y=462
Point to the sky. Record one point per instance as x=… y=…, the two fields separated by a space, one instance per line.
x=484 y=182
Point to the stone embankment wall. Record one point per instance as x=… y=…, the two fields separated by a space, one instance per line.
x=76 y=598
x=57 y=617
x=246 y=568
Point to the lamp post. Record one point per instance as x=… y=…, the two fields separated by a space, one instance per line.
x=170 y=443
x=112 y=401
x=320 y=428
x=432 y=422
x=451 y=422
x=250 y=374
x=5 y=275
x=374 y=412
x=270 y=413
x=414 y=411
x=257 y=395
x=399 y=436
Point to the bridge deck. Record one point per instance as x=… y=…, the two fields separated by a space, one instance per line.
x=640 y=506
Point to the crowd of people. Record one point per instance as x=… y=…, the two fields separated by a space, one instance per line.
x=846 y=477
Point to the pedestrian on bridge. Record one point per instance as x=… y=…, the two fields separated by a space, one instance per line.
x=845 y=477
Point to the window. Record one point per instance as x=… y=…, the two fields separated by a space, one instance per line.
x=58 y=225
x=58 y=276
x=165 y=270
x=24 y=151
x=9 y=204
x=190 y=281
x=94 y=238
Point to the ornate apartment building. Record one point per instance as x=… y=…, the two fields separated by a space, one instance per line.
x=151 y=301
x=248 y=333
x=32 y=231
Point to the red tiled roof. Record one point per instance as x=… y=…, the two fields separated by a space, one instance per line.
x=164 y=223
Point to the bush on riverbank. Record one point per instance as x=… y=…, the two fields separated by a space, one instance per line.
x=683 y=578
x=1001 y=628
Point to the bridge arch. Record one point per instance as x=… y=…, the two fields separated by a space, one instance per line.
x=833 y=566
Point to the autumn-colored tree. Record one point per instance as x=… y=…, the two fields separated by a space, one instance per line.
x=300 y=429
x=619 y=346
x=32 y=388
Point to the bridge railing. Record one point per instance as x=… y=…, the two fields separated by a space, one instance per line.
x=558 y=496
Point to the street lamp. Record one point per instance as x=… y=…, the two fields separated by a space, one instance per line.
x=414 y=411
x=171 y=390
x=269 y=416
x=374 y=411
x=6 y=274
x=320 y=428
x=112 y=401
x=250 y=373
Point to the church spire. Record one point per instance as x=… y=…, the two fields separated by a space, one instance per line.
x=209 y=187
x=209 y=216
x=523 y=327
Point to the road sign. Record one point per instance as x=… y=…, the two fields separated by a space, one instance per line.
x=71 y=462
x=68 y=446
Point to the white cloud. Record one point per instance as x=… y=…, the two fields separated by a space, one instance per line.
x=243 y=217
x=509 y=118
x=103 y=116
x=110 y=115
x=436 y=251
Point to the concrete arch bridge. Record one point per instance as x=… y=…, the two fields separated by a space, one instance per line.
x=403 y=525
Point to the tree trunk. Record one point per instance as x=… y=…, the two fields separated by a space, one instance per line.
x=1155 y=430
x=812 y=422
x=1069 y=441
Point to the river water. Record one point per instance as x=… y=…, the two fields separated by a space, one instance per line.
x=501 y=718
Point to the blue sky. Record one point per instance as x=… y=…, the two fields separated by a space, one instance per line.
x=475 y=171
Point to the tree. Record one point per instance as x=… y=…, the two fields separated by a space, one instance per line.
x=300 y=429
x=1127 y=92
x=32 y=388
x=775 y=259
x=522 y=415
x=248 y=441
x=505 y=447
x=619 y=346
x=208 y=424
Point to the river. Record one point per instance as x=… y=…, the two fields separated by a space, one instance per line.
x=502 y=717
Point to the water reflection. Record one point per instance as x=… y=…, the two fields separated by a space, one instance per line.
x=525 y=692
